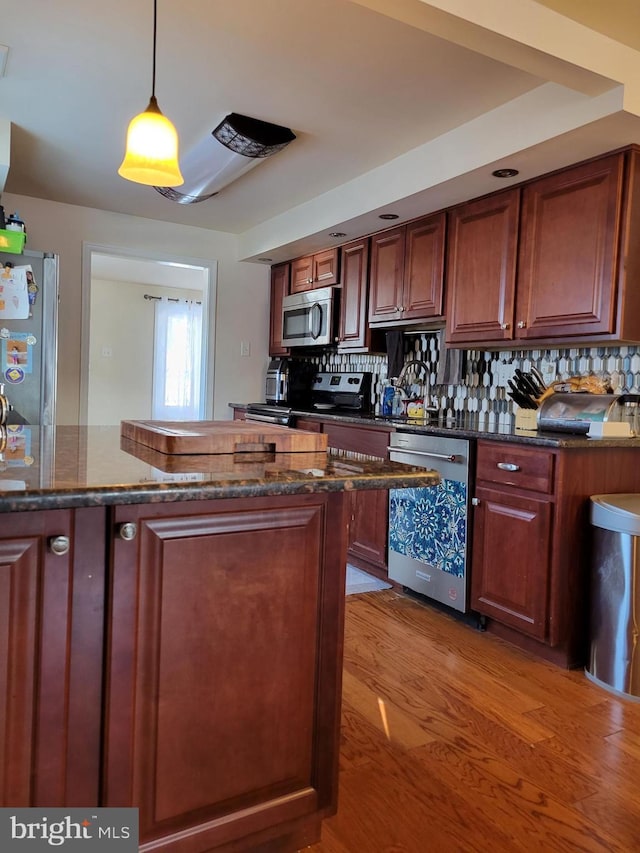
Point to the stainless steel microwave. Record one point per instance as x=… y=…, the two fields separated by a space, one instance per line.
x=308 y=318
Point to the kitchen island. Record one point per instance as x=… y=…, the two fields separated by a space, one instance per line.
x=172 y=628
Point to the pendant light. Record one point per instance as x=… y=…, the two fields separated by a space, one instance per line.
x=151 y=156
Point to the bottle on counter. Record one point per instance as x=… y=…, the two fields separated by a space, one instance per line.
x=387 y=399
x=14 y=223
x=398 y=403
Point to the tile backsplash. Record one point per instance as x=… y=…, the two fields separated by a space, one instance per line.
x=479 y=391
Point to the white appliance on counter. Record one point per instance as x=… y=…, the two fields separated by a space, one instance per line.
x=308 y=318
x=429 y=527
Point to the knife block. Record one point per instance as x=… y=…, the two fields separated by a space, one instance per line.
x=526 y=419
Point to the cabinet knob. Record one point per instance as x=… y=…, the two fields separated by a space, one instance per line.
x=505 y=326
x=128 y=531
x=309 y=281
x=59 y=545
x=522 y=324
x=475 y=501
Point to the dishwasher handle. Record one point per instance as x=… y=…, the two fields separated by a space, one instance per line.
x=448 y=457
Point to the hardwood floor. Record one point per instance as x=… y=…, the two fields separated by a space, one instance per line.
x=454 y=741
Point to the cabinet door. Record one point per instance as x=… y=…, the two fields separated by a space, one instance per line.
x=568 y=248
x=326 y=268
x=279 y=289
x=51 y=642
x=222 y=711
x=387 y=271
x=368 y=530
x=424 y=269
x=301 y=274
x=353 y=297
x=510 y=574
x=481 y=269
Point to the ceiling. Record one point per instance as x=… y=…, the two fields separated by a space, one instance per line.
x=362 y=83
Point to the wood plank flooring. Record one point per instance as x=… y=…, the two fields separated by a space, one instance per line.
x=454 y=741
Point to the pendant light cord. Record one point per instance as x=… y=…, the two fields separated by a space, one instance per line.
x=155 y=28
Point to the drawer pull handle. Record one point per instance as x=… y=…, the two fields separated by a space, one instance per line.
x=508 y=466
x=128 y=531
x=59 y=545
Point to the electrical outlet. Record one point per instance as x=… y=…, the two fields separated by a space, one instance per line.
x=548 y=371
x=107 y=352
x=506 y=371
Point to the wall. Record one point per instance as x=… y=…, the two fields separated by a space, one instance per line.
x=63 y=228
x=122 y=320
x=477 y=395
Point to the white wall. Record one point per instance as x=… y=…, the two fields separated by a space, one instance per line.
x=121 y=349
x=242 y=292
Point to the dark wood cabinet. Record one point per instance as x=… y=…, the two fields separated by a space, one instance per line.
x=407 y=273
x=531 y=553
x=387 y=273
x=369 y=510
x=221 y=699
x=570 y=230
x=511 y=562
x=161 y=665
x=555 y=261
x=481 y=269
x=319 y=270
x=280 y=280
x=355 y=334
x=51 y=641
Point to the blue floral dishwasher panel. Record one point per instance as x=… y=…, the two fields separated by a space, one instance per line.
x=430 y=525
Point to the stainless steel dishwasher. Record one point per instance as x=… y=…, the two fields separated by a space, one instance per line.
x=428 y=527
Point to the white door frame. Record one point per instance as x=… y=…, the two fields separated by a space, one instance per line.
x=208 y=313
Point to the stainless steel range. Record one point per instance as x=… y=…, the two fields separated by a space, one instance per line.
x=341 y=392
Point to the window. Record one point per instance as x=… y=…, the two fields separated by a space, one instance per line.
x=177 y=361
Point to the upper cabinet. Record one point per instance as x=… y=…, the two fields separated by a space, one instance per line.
x=568 y=254
x=481 y=268
x=554 y=261
x=319 y=270
x=407 y=265
x=280 y=276
x=354 y=331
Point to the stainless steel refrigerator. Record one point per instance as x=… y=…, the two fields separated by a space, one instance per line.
x=28 y=364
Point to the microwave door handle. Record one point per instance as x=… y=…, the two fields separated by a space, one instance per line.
x=315 y=327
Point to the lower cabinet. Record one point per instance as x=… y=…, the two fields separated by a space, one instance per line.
x=369 y=510
x=512 y=560
x=51 y=651
x=531 y=563
x=194 y=673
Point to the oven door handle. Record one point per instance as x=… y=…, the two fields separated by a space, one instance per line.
x=446 y=456
x=268 y=419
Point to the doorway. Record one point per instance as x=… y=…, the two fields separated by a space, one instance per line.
x=121 y=289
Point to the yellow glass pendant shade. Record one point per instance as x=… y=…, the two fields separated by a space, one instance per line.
x=151 y=156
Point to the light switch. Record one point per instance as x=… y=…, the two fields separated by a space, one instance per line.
x=245 y=348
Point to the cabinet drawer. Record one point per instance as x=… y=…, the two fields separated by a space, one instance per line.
x=308 y=424
x=371 y=442
x=515 y=466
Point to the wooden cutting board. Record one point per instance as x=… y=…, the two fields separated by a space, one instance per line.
x=185 y=437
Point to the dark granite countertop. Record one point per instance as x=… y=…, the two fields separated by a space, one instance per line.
x=49 y=467
x=469 y=426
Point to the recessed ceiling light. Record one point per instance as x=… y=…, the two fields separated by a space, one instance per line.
x=337 y=234
x=265 y=260
x=389 y=216
x=505 y=173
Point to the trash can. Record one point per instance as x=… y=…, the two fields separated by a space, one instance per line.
x=614 y=653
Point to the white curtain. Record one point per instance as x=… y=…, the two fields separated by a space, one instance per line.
x=177 y=361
